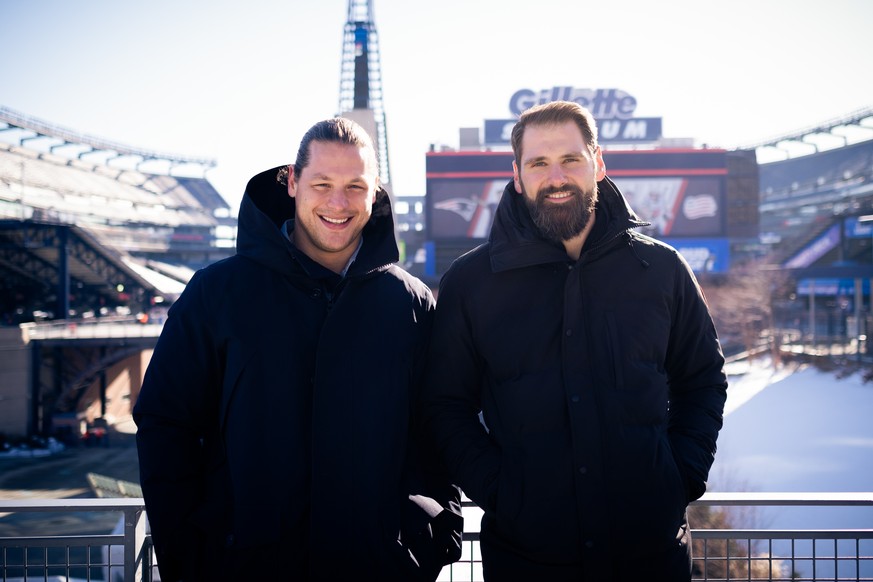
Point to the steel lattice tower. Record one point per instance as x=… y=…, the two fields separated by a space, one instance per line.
x=361 y=79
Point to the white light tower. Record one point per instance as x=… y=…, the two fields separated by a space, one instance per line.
x=361 y=80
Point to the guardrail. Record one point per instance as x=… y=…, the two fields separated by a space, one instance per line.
x=814 y=555
x=737 y=554
x=75 y=558
x=817 y=555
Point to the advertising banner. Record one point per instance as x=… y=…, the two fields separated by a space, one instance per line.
x=498 y=132
x=704 y=255
x=613 y=110
x=831 y=286
x=856 y=228
x=676 y=206
x=463 y=208
x=816 y=249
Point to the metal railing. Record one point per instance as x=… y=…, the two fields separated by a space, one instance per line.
x=73 y=558
x=814 y=555
x=751 y=554
x=819 y=555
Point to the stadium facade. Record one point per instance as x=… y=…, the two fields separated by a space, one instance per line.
x=94 y=230
x=101 y=238
x=703 y=201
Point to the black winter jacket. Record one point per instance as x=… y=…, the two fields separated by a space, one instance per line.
x=600 y=383
x=274 y=427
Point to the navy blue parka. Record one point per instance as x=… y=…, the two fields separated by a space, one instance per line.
x=275 y=428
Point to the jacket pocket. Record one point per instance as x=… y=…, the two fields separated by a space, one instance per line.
x=640 y=382
x=652 y=491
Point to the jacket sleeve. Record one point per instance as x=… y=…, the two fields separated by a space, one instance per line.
x=452 y=399
x=433 y=524
x=698 y=385
x=172 y=413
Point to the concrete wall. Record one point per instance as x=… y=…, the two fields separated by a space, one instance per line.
x=15 y=399
x=124 y=380
x=123 y=383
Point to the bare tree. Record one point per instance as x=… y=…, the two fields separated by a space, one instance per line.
x=742 y=306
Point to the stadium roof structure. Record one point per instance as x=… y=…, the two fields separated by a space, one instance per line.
x=82 y=234
x=56 y=267
x=859 y=119
x=33 y=128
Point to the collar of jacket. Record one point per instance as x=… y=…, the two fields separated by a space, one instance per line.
x=266 y=206
x=515 y=242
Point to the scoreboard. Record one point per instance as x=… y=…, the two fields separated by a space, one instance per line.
x=695 y=199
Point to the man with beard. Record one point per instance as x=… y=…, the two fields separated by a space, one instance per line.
x=575 y=382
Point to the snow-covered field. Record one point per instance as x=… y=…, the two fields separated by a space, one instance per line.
x=797 y=430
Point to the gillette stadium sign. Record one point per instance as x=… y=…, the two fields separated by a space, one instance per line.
x=612 y=108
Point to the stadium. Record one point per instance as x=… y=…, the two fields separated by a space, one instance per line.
x=99 y=231
x=93 y=252
x=98 y=234
x=99 y=238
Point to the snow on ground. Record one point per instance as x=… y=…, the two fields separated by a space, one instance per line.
x=797 y=430
x=747 y=378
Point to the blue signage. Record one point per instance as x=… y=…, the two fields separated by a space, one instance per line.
x=704 y=255
x=634 y=130
x=856 y=228
x=612 y=109
x=816 y=249
x=498 y=131
x=831 y=286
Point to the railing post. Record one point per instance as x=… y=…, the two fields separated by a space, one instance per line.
x=134 y=546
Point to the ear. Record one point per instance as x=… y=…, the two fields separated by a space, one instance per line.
x=292 y=182
x=515 y=177
x=376 y=186
x=599 y=164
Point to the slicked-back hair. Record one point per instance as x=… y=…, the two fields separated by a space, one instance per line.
x=554 y=113
x=334 y=130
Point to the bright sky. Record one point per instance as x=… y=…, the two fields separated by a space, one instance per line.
x=242 y=81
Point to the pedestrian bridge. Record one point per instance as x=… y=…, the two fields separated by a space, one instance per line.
x=79 y=356
x=91 y=329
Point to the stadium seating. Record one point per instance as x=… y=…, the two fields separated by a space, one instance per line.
x=132 y=211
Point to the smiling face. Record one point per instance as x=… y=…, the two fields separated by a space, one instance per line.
x=558 y=177
x=334 y=196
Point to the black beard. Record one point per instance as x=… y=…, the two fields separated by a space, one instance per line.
x=560 y=222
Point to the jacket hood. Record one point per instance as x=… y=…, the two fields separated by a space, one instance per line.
x=516 y=242
x=266 y=206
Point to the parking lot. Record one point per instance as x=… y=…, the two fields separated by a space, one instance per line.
x=63 y=475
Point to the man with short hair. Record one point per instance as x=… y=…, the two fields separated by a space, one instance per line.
x=275 y=433
x=589 y=351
